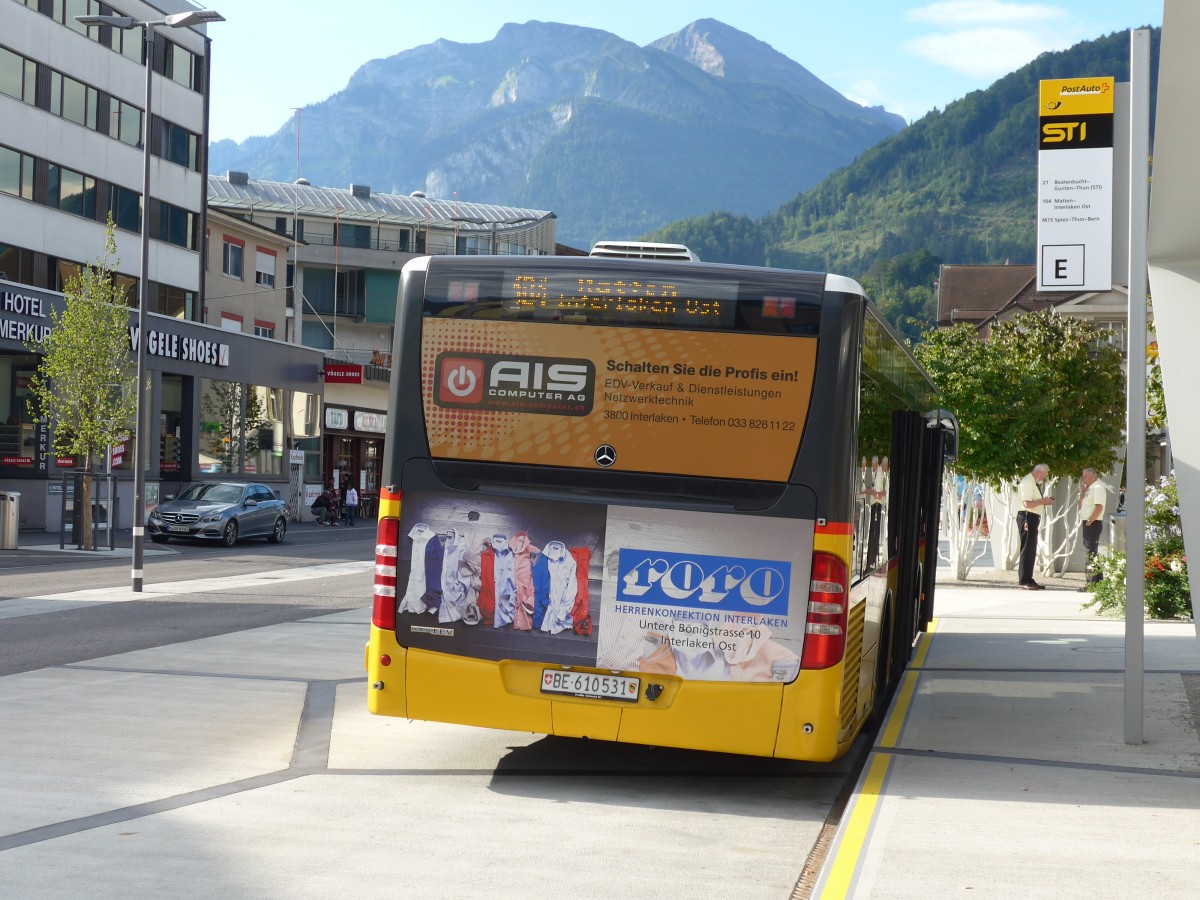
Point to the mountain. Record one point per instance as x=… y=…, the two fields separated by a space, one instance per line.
x=616 y=139
x=957 y=186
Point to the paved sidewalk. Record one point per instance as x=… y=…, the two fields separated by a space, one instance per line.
x=1002 y=770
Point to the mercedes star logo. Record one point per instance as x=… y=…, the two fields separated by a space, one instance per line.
x=606 y=455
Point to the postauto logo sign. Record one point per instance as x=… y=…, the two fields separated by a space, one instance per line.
x=697 y=581
x=548 y=385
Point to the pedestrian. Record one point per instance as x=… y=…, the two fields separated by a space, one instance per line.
x=1092 y=497
x=876 y=477
x=1032 y=497
x=320 y=508
x=351 y=504
x=334 y=506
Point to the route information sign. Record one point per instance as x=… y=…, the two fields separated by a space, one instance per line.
x=1075 y=184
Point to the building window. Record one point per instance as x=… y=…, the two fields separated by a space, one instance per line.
x=353 y=236
x=80 y=194
x=73 y=190
x=18 y=76
x=472 y=245
x=64 y=12
x=16 y=173
x=265 y=268
x=176 y=144
x=179 y=64
x=126 y=207
x=264 y=329
x=173 y=224
x=172 y=301
x=231 y=322
x=65 y=189
x=128 y=126
x=231 y=257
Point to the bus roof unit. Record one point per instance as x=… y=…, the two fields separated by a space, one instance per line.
x=643 y=250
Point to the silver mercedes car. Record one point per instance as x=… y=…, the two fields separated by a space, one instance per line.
x=220 y=511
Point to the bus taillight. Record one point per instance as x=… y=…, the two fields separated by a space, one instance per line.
x=825 y=628
x=387 y=541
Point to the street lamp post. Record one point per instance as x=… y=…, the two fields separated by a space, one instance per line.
x=141 y=432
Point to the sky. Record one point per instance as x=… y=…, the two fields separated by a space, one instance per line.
x=272 y=56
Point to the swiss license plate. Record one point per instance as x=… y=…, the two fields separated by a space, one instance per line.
x=183 y=529
x=589 y=684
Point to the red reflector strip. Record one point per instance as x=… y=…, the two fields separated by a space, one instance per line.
x=387 y=538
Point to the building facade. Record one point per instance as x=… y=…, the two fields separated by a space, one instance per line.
x=270 y=314
x=346 y=248
x=71 y=124
x=71 y=157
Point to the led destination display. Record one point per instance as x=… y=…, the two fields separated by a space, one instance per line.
x=690 y=302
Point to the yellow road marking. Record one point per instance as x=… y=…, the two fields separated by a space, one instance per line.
x=845 y=863
x=841 y=870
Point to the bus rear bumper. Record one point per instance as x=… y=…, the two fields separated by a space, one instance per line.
x=796 y=721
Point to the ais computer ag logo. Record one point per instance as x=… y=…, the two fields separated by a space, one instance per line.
x=526 y=384
x=460 y=380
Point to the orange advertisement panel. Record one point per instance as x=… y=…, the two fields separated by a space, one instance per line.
x=704 y=403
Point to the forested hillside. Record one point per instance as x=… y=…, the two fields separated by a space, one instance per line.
x=957 y=186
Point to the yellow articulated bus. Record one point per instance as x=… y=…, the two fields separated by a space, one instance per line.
x=653 y=501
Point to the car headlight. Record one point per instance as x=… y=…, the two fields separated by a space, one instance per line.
x=155 y=516
x=213 y=517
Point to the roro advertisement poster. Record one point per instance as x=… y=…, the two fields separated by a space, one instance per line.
x=704 y=596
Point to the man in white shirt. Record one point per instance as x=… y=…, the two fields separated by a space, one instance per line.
x=1092 y=498
x=1032 y=497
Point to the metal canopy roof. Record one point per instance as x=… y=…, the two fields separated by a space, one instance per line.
x=282 y=197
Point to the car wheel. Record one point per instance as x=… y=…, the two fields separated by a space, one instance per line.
x=230 y=535
x=277 y=533
x=159 y=538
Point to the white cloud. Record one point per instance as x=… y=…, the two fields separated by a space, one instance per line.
x=986 y=38
x=985 y=52
x=953 y=13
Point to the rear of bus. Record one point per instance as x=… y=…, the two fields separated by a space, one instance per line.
x=618 y=501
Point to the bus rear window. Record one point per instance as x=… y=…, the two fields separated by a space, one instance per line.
x=671 y=295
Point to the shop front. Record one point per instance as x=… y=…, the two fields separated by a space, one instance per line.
x=353 y=447
x=224 y=406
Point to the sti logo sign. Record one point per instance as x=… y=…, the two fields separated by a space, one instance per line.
x=523 y=384
x=1075 y=184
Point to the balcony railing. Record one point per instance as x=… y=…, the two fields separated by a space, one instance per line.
x=393 y=245
x=377 y=364
x=321 y=302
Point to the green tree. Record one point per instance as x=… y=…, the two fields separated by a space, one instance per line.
x=1044 y=388
x=84 y=387
x=717 y=237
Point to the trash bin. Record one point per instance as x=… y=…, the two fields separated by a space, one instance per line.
x=1116 y=532
x=10 y=519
